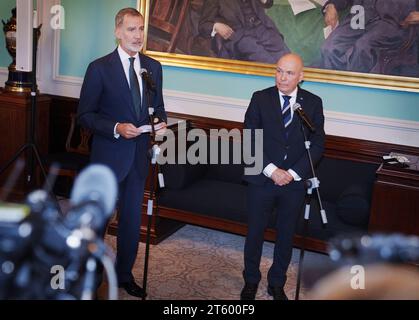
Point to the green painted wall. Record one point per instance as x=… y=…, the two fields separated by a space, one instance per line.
x=88 y=33
x=5 y=13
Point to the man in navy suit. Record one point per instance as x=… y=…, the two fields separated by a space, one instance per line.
x=114 y=104
x=286 y=166
x=244 y=29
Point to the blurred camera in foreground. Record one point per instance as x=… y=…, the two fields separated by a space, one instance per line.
x=370 y=267
x=44 y=255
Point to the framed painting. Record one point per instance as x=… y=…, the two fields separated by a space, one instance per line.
x=248 y=36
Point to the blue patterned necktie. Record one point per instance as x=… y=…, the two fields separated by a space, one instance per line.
x=135 y=88
x=286 y=114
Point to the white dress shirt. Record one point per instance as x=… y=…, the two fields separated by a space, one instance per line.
x=126 y=64
x=270 y=168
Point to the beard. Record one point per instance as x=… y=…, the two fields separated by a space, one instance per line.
x=134 y=47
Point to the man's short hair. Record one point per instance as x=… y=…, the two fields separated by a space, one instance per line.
x=119 y=18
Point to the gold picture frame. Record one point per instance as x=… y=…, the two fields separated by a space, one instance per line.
x=381 y=81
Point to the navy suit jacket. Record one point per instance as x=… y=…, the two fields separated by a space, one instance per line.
x=264 y=112
x=105 y=99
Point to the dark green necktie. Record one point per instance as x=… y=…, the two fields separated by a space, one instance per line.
x=135 y=88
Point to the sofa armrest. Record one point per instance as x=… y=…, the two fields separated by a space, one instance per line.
x=180 y=176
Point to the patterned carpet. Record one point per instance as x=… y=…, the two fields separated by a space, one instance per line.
x=201 y=264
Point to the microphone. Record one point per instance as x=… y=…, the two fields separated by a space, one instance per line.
x=93 y=197
x=297 y=108
x=148 y=79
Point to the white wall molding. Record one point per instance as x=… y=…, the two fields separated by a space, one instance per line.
x=372 y=128
x=48 y=51
x=4 y=72
x=65 y=86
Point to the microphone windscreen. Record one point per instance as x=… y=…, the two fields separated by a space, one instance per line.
x=96 y=183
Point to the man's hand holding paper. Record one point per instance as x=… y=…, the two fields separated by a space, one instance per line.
x=159 y=127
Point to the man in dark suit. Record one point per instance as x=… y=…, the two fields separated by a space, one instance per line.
x=113 y=104
x=358 y=49
x=286 y=166
x=244 y=30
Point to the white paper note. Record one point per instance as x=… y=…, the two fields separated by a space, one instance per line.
x=147 y=128
x=299 y=6
x=328 y=30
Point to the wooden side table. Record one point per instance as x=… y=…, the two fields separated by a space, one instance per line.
x=395 y=203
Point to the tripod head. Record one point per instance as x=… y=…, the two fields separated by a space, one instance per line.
x=312 y=183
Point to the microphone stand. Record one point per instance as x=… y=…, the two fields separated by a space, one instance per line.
x=31 y=143
x=99 y=251
x=153 y=153
x=312 y=183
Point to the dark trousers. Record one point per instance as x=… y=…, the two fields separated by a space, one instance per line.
x=131 y=192
x=288 y=201
x=358 y=49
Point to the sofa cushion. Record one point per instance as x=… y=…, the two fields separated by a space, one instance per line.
x=179 y=176
x=335 y=225
x=337 y=175
x=353 y=206
x=231 y=173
